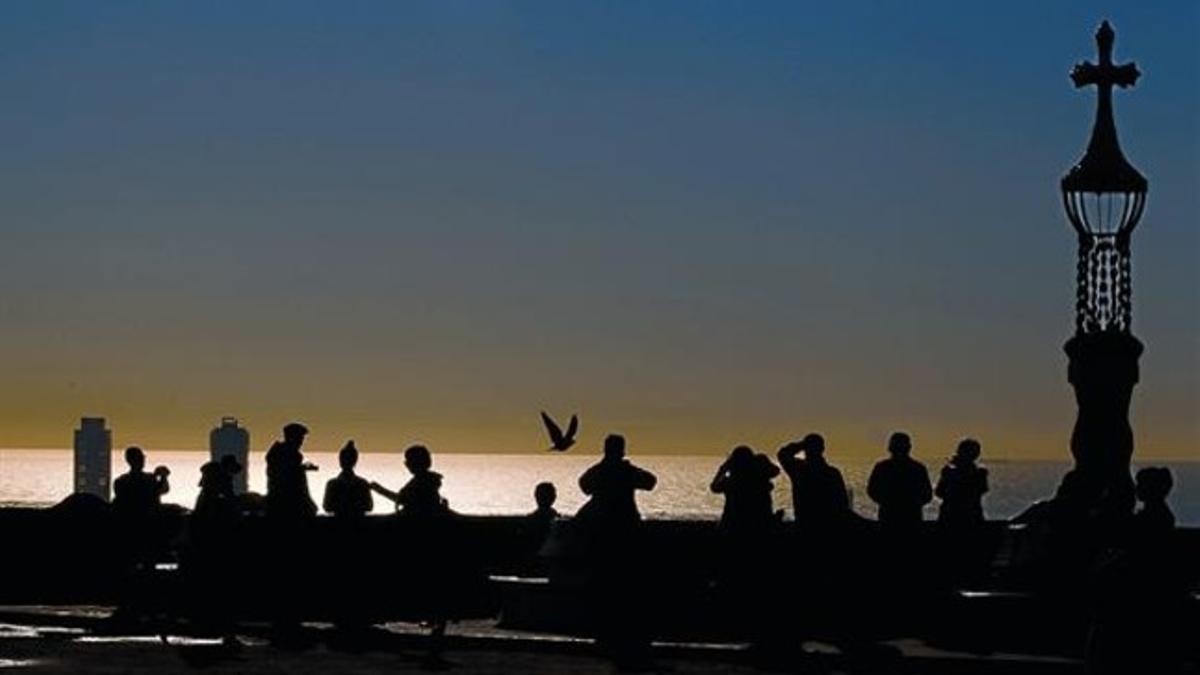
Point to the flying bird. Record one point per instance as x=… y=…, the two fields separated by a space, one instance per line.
x=559 y=441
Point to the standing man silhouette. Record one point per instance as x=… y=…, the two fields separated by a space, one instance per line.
x=819 y=497
x=900 y=485
x=610 y=521
x=136 y=493
x=287 y=479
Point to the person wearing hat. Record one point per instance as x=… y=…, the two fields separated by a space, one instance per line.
x=287 y=478
x=819 y=497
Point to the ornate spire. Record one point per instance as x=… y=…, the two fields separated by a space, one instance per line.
x=1104 y=167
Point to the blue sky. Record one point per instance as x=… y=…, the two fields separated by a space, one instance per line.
x=699 y=223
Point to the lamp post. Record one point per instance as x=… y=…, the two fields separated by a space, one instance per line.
x=1104 y=196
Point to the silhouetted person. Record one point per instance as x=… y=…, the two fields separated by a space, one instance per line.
x=544 y=495
x=211 y=561
x=216 y=486
x=137 y=502
x=745 y=478
x=819 y=496
x=291 y=510
x=961 y=486
x=1154 y=516
x=287 y=479
x=137 y=493
x=431 y=534
x=421 y=495
x=1140 y=591
x=348 y=495
x=611 y=484
x=610 y=522
x=535 y=529
x=900 y=485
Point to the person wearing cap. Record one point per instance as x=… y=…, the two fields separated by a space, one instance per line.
x=287 y=478
x=819 y=497
x=348 y=495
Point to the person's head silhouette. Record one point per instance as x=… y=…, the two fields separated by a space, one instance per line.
x=231 y=465
x=814 y=446
x=295 y=433
x=545 y=494
x=899 y=445
x=741 y=457
x=417 y=459
x=1153 y=484
x=614 y=447
x=135 y=458
x=348 y=457
x=968 y=452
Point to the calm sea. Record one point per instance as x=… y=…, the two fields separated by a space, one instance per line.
x=503 y=484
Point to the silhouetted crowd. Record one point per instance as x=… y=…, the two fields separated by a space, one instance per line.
x=607 y=529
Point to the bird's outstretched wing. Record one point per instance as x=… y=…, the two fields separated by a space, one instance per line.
x=573 y=427
x=556 y=434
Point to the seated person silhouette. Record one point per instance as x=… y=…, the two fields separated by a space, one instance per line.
x=216 y=486
x=137 y=493
x=544 y=495
x=537 y=524
x=962 y=485
x=1152 y=485
x=348 y=495
x=611 y=485
x=819 y=496
x=745 y=479
x=287 y=479
x=900 y=485
x=421 y=495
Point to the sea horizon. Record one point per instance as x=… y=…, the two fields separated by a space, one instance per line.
x=502 y=484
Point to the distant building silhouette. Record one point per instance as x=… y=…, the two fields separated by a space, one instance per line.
x=93 y=457
x=231 y=439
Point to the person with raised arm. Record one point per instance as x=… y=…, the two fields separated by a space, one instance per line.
x=421 y=495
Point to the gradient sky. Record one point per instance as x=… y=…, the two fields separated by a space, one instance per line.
x=698 y=223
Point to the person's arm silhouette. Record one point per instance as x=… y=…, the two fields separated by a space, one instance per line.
x=160 y=476
x=643 y=479
x=875 y=487
x=764 y=463
x=589 y=481
x=943 y=484
x=841 y=496
x=721 y=480
x=926 y=489
x=329 y=502
x=394 y=497
x=787 y=457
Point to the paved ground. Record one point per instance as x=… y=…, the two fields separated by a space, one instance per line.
x=79 y=640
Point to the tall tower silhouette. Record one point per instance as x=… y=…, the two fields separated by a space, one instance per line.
x=1104 y=196
x=93 y=457
x=231 y=439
